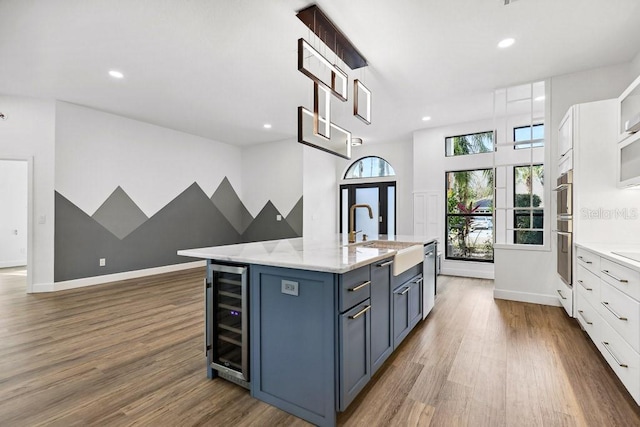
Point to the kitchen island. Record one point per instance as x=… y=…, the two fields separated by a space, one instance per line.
x=323 y=316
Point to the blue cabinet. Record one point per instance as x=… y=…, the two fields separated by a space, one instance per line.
x=407 y=308
x=317 y=338
x=381 y=313
x=355 y=352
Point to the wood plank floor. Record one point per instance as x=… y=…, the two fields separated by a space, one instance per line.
x=130 y=353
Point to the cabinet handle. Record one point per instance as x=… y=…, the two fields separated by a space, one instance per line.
x=560 y=292
x=384 y=264
x=360 y=313
x=585 y=319
x=428 y=254
x=561 y=187
x=405 y=291
x=584 y=286
x=622 y=365
x=615 y=277
x=208 y=317
x=584 y=260
x=357 y=288
x=420 y=280
x=606 y=305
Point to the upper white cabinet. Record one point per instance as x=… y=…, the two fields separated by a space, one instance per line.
x=628 y=172
x=629 y=110
x=628 y=164
x=565 y=143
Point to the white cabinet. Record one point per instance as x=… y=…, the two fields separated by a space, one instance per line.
x=565 y=294
x=629 y=110
x=565 y=143
x=608 y=309
x=628 y=164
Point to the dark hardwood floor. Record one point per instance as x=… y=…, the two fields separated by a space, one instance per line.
x=131 y=353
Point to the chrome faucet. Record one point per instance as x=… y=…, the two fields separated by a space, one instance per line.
x=352 y=233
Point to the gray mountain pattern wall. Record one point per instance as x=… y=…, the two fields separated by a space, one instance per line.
x=119 y=214
x=122 y=234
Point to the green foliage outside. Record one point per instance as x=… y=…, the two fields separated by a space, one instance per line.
x=464 y=190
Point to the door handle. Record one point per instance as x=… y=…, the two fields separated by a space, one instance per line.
x=584 y=286
x=615 y=277
x=606 y=305
x=360 y=313
x=357 y=288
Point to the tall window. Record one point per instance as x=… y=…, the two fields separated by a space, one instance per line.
x=528 y=213
x=473 y=143
x=528 y=136
x=470 y=215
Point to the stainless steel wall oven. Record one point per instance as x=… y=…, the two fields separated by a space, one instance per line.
x=564 y=219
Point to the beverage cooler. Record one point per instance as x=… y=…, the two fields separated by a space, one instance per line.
x=227 y=322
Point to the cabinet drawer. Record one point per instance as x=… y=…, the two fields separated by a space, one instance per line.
x=588 y=317
x=587 y=286
x=565 y=294
x=565 y=163
x=622 y=313
x=624 y=361
x=621 y=277
x=354 y=287
x=589 y=260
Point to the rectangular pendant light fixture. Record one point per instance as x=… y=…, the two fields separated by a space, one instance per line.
x=315 y=19
x=361 y=102
x=339 y=143
x=336 y=82
x=321 y=103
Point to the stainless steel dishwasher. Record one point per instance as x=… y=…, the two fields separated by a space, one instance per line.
x=429 y=276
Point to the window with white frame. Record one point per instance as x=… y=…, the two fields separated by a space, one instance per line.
x=519 y=162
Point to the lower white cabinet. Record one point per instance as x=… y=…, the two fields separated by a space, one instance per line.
x=610 y=316
x=565 y=294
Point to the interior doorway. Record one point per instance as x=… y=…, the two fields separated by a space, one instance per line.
x=381 y=196
x=15 y=223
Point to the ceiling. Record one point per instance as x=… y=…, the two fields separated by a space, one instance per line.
x=222 y=69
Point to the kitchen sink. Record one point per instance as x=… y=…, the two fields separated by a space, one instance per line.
x=408 y=253
x=386 y=244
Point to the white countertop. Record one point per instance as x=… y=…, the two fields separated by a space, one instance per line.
x=333 y=255
x=608 y=250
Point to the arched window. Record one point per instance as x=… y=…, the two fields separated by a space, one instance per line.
x=369 y=167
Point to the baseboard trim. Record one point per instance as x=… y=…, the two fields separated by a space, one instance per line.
x=526 y=297
x=19 y=263
x=467 y=273
x=99 y=280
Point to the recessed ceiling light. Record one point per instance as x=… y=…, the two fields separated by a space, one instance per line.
x=426 y=118
x=267 y=126
x=539 y=98
x=506 y=43
x=116 y=74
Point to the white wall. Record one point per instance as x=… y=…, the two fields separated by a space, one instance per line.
x=13 y=214
x=429 y=167
x=96 y=152
x=29 y=133
x=320 y=189
x=527 y=281
x=272 y=171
